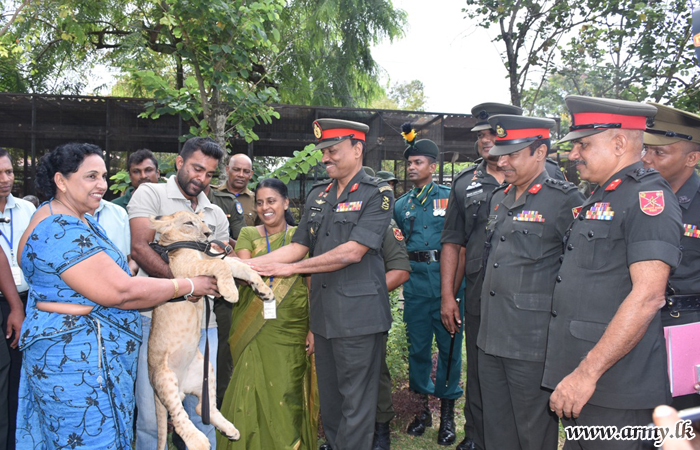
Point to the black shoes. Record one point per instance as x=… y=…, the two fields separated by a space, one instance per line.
x=422 y=420
x=382 y=436
x=466 y=444
x=446 y=434
x=325 y=446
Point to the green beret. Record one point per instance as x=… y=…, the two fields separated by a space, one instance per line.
x=424 y=147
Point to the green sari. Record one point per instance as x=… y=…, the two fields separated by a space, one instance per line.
x=272 y=396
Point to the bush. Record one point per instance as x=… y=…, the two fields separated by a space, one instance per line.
x=397 y=343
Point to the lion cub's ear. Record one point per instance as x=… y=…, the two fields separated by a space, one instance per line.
x=201 y=214
x=160 y=222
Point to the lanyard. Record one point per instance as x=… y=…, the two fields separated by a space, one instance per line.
x=97 y=217
x=267 y=238
x=12 y=236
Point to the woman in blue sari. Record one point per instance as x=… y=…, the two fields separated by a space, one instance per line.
x=81 y=337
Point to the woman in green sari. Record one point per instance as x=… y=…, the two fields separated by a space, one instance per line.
x=271 y=397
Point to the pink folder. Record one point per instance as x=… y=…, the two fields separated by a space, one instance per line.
x=683 y=348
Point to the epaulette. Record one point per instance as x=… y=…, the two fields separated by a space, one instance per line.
x=640 y=173
x=403 y=195
x=562 y=185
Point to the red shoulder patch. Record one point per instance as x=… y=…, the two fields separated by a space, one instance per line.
x=398 y=234
x=651 y=202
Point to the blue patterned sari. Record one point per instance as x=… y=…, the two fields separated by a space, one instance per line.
x=78 y=372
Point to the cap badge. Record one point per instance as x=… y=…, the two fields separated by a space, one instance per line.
x=500 y=132
x=317 y=130
x=483 y=115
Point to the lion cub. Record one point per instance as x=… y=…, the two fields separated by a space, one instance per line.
x=175 y=364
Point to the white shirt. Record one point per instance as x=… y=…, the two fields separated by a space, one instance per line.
x=19 y=212
x=115 y=221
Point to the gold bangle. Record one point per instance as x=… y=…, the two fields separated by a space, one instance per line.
x=176 y=294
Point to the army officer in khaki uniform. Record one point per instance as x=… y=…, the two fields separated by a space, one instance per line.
x=342 y=229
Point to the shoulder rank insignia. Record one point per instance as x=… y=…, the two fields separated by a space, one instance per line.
x=651 y=202
x=385 y=188
x=600 y=211
x=239 y=208
x=439 y=207
x=613 y=185
x=529 y=216
x=348 y=206
x=535 y=189
x=398 y=234
x=576 y=211
x=690 y=230
x=354 y=187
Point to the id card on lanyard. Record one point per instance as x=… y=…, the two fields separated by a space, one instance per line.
x=16 y=271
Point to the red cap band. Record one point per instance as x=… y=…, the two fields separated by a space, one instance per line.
x=626 y=122
x=340 y=132
x=524 y=134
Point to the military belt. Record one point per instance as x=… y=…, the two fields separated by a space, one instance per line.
x=675 y=304
x=427 y=256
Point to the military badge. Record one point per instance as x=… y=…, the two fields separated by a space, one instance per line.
x=386 y=203
x=600 y=211
x=529 y=216
x=317 y=130
x=576 y=211
x=320 y=202
x=473 y=185
x=500 y=131
x=439 y=207
x=651 y=202
x=535 y=189
x=613 y=185
x=348 y=206
x=239 y=208
x=690 y=230
x=398 y=234
x=683 y=199
x=354 y=187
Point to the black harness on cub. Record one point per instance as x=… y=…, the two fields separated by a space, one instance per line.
x=204 y=247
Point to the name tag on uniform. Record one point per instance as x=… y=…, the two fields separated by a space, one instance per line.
x=270 y=309
x=600 y=211
x=348 y=206
x=691 y=230
x=473 y=193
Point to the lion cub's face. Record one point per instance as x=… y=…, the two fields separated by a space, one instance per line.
x=181 y=226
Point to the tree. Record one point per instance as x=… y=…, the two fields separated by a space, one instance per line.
x=328 y=58
x=408 y=96
x=621 y=49
x=530 y=31
x=638 y=52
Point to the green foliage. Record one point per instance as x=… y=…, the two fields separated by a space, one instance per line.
x=327 y=59
x=406 y=96
x=301 y=163
x=619 y=49
x=120 y=181
x=397 y=342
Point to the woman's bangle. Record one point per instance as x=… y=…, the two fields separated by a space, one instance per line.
x=177 y=288
x=187 y=296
